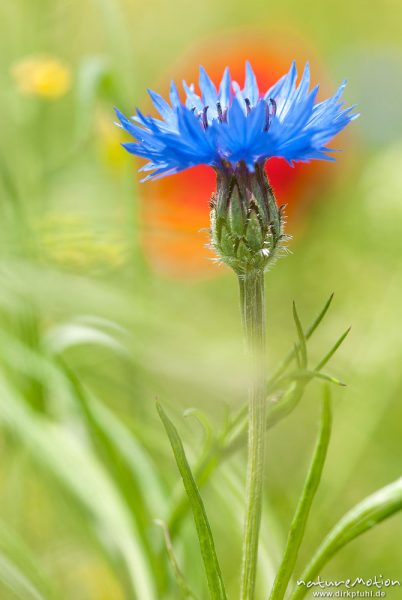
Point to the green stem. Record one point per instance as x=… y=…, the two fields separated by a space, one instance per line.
x=253 y=313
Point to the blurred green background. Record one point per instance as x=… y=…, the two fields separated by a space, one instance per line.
x=93 y=330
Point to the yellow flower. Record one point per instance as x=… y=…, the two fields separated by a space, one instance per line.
x=42 y=76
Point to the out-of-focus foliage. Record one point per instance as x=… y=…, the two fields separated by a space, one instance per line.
x=91 y=334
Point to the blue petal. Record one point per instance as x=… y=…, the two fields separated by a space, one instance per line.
x=284 y=96
x=240 y=97
x=192 y=99
x=161 y=105
x=304 y=84
x=224 y=89
x=208 y=90
x=277 y=88
x=251 y=90
x=174 y=95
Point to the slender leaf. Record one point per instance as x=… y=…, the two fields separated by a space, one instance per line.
x=299 y=522
x=310 y=330
x=19 y=569
x=293 y=354
x=92 y=71
x=204 y=423
x=302 y=339
x=329 y=378
x=207 y=546
x=286 y=404
x=307 y=334
x=15 y=578
x=306 y=375
x=236 y=436
x=298 y=358
x=276 y=411
x=68 y=459
x=370 y=512
x=180 y=580
x=334 y=348
x=120 y=451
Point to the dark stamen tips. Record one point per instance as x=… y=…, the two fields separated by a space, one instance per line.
x=204 y=118
x=269 y=114
x=222 y=114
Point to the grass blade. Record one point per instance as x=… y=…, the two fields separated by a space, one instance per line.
x=74 y=467
x=365 y=515
x=299 y=522
x=14 y=577
x=207 y=546
x=19 y=570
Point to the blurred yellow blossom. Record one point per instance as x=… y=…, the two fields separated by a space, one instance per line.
x=42 y=76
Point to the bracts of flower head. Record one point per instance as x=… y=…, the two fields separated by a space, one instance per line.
x=247 y=227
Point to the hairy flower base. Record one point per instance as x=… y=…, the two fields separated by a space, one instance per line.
x=246 y=223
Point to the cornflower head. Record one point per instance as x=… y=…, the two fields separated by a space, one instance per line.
x=235 y=131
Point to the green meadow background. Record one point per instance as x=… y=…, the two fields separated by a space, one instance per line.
x=91 y=332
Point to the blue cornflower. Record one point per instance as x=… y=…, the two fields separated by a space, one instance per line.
x=233 y=125
x=236 y=131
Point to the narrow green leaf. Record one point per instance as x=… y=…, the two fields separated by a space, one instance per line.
x=306 y=375
x=293 y=354
x=19 y=569
x=91 y=73
x=299 y=522
x=13 y=576
x=302 y=339
x=286 y=404
x=298 y=357
x=180 y=580
x=365 y=515
x=84 y=479
x=119 y=450
x=308 y=333
x=334 y=348
x=127 y=463
x=236 y=436
x=328 y=378
x=204 y=465
x=204 y=422
x=310 y=330
x=276 y=411
x=207 y=546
